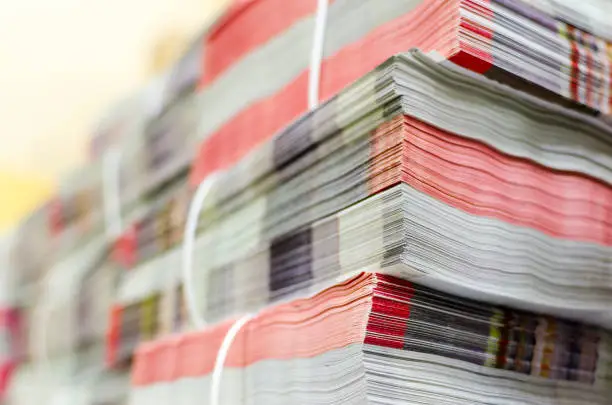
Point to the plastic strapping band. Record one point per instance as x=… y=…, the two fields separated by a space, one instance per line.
x=48 y=304
x=43 y=318
x=188 y=241
x=215 y=388
x=316 y=55
x=314 y=81
x=197 y=319
x=111 y=166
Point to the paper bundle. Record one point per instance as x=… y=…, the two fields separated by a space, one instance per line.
x=428 y=168
x=522 y=44
x=379 y=339
x=500 y=195
x=143 y=145
x=419 y=170
x=505 y=40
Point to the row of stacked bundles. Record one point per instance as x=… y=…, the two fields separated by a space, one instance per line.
x=67 y=254
x=435 y=231
x=385 y=177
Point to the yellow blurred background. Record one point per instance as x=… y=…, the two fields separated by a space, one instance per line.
x=62 y=64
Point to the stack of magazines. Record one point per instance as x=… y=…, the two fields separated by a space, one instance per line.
x=429 y=221
x=457 y=195
x=379 y=339
x=265 y=86
x=439 y=175
x=254 y=76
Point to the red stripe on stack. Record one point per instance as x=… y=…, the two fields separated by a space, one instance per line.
x=468 y=56
x=113 y=336
x=571 y=33
x=247 y=26
x=478 y=179
x=587 y=41
x=391 y=305
x=276 y=333
x=609 y=54
x=55 y=215
x=125 y=248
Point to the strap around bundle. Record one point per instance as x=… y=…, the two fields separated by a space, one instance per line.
x=111 y=170
x=203 y=191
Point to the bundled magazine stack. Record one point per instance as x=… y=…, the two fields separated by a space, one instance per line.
x=347 y=201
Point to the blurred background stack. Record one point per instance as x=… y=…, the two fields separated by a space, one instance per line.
x=459 y=151
x=57 y=277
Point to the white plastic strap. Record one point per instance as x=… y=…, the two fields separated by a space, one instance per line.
x=188 y=241
x=47 y=305
x=192 y=306
x=51 y=300
x=215 y=388
x=314 y=80
x=316 y=55
x=111 y=166
x=42 y=321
